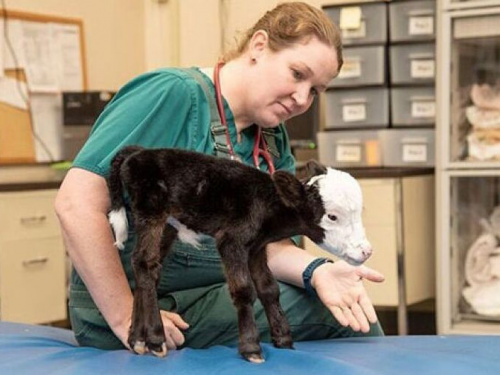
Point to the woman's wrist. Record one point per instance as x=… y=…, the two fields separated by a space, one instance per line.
x=308 y=273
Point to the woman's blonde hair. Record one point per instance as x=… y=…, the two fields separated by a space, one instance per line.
x=290 y=23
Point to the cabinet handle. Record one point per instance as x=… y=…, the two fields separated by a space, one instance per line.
x=35 y=261
x=33 y=219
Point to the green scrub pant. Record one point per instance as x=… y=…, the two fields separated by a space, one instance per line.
x=192 y=284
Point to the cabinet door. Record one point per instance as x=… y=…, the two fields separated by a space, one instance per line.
x=379 y=218
x=32 y=280
x=28 y=215
x=468 y=98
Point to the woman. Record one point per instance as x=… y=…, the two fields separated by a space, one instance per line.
x=287 y=58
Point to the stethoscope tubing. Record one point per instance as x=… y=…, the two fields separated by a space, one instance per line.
x=259 y=146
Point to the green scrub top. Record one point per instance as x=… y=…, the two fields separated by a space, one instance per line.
x=168 y=108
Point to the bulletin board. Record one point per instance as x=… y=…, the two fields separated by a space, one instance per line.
x=48 y=58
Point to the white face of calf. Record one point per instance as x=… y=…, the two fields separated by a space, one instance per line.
x=342 y=224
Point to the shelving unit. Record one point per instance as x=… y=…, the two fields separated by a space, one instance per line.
x=468 y=184
x=379 y=117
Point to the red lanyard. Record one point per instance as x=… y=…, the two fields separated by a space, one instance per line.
x=259 y=146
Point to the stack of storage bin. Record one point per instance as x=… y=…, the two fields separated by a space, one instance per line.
x=357 y=101
x=380 y=110
x=410 y=142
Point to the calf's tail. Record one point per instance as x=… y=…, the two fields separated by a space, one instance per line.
x=118 y=215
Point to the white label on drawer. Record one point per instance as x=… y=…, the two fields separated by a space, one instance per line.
x=423 y=109
x=348 y=153
x=422 y=69
x=350 y=69
x=355 y=33
x=420 y=25
x=350 y=17
x=415 y=153
x=353 y=112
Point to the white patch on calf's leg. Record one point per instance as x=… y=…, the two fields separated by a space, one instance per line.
x=118 y=220
x=185 y=234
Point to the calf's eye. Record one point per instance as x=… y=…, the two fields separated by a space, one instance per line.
x=332 y=217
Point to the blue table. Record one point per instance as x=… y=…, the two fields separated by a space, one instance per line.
x=29 y=349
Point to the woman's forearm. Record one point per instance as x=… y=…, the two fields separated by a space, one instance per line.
x=89 y=242
x=287 y=262
x=96 y=260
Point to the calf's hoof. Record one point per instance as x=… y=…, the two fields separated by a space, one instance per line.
x=148 y=342
x=162 y=352
x=284 y=342
x=255 y=358
x=139 y=347
x=252 y=353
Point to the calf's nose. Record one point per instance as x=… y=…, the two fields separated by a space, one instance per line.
x=367 y=252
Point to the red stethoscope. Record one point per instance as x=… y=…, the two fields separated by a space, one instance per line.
x=259 y=146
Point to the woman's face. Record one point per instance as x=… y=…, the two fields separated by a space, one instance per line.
x=284 y=83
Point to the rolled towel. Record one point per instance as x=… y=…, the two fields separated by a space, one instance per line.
x=485 y=96
x=485 y=298
x=478 y=265
x=481 y=118
x=482 y=148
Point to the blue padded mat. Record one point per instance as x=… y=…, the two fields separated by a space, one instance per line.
x=29 y=349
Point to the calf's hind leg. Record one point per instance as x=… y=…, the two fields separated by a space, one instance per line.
x=146 y=331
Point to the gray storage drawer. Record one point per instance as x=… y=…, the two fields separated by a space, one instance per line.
x=407 y=147
x=372 y=28
x=363 y=66
x=412 y=20
x=413 y=63
x=413 y=106
x=357 y=108
x=359 y=148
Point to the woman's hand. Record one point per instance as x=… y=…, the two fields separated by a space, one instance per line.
x=172 y=326
x=339 y=286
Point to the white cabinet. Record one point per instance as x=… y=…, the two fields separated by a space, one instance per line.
x=468 y=168
x=399 y=221
x=32 y=258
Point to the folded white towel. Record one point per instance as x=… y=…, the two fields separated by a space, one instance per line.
x=483 y=147
x=485 y=298
x=478 y=266
x=481 y=118
x=482 y=269
x=485 y=96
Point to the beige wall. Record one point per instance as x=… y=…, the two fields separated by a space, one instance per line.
x=200 y=30
x=114 y=35
x=124 y=38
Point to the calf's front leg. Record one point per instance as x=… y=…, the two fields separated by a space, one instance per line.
x=268 y=292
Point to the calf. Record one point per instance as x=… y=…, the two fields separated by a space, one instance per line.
x=176 y=194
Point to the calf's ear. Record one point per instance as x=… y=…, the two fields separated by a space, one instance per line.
x=314 y=168
x=289 y=188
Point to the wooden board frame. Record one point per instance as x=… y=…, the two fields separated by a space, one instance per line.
x=17 y=144
x=44 y=18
